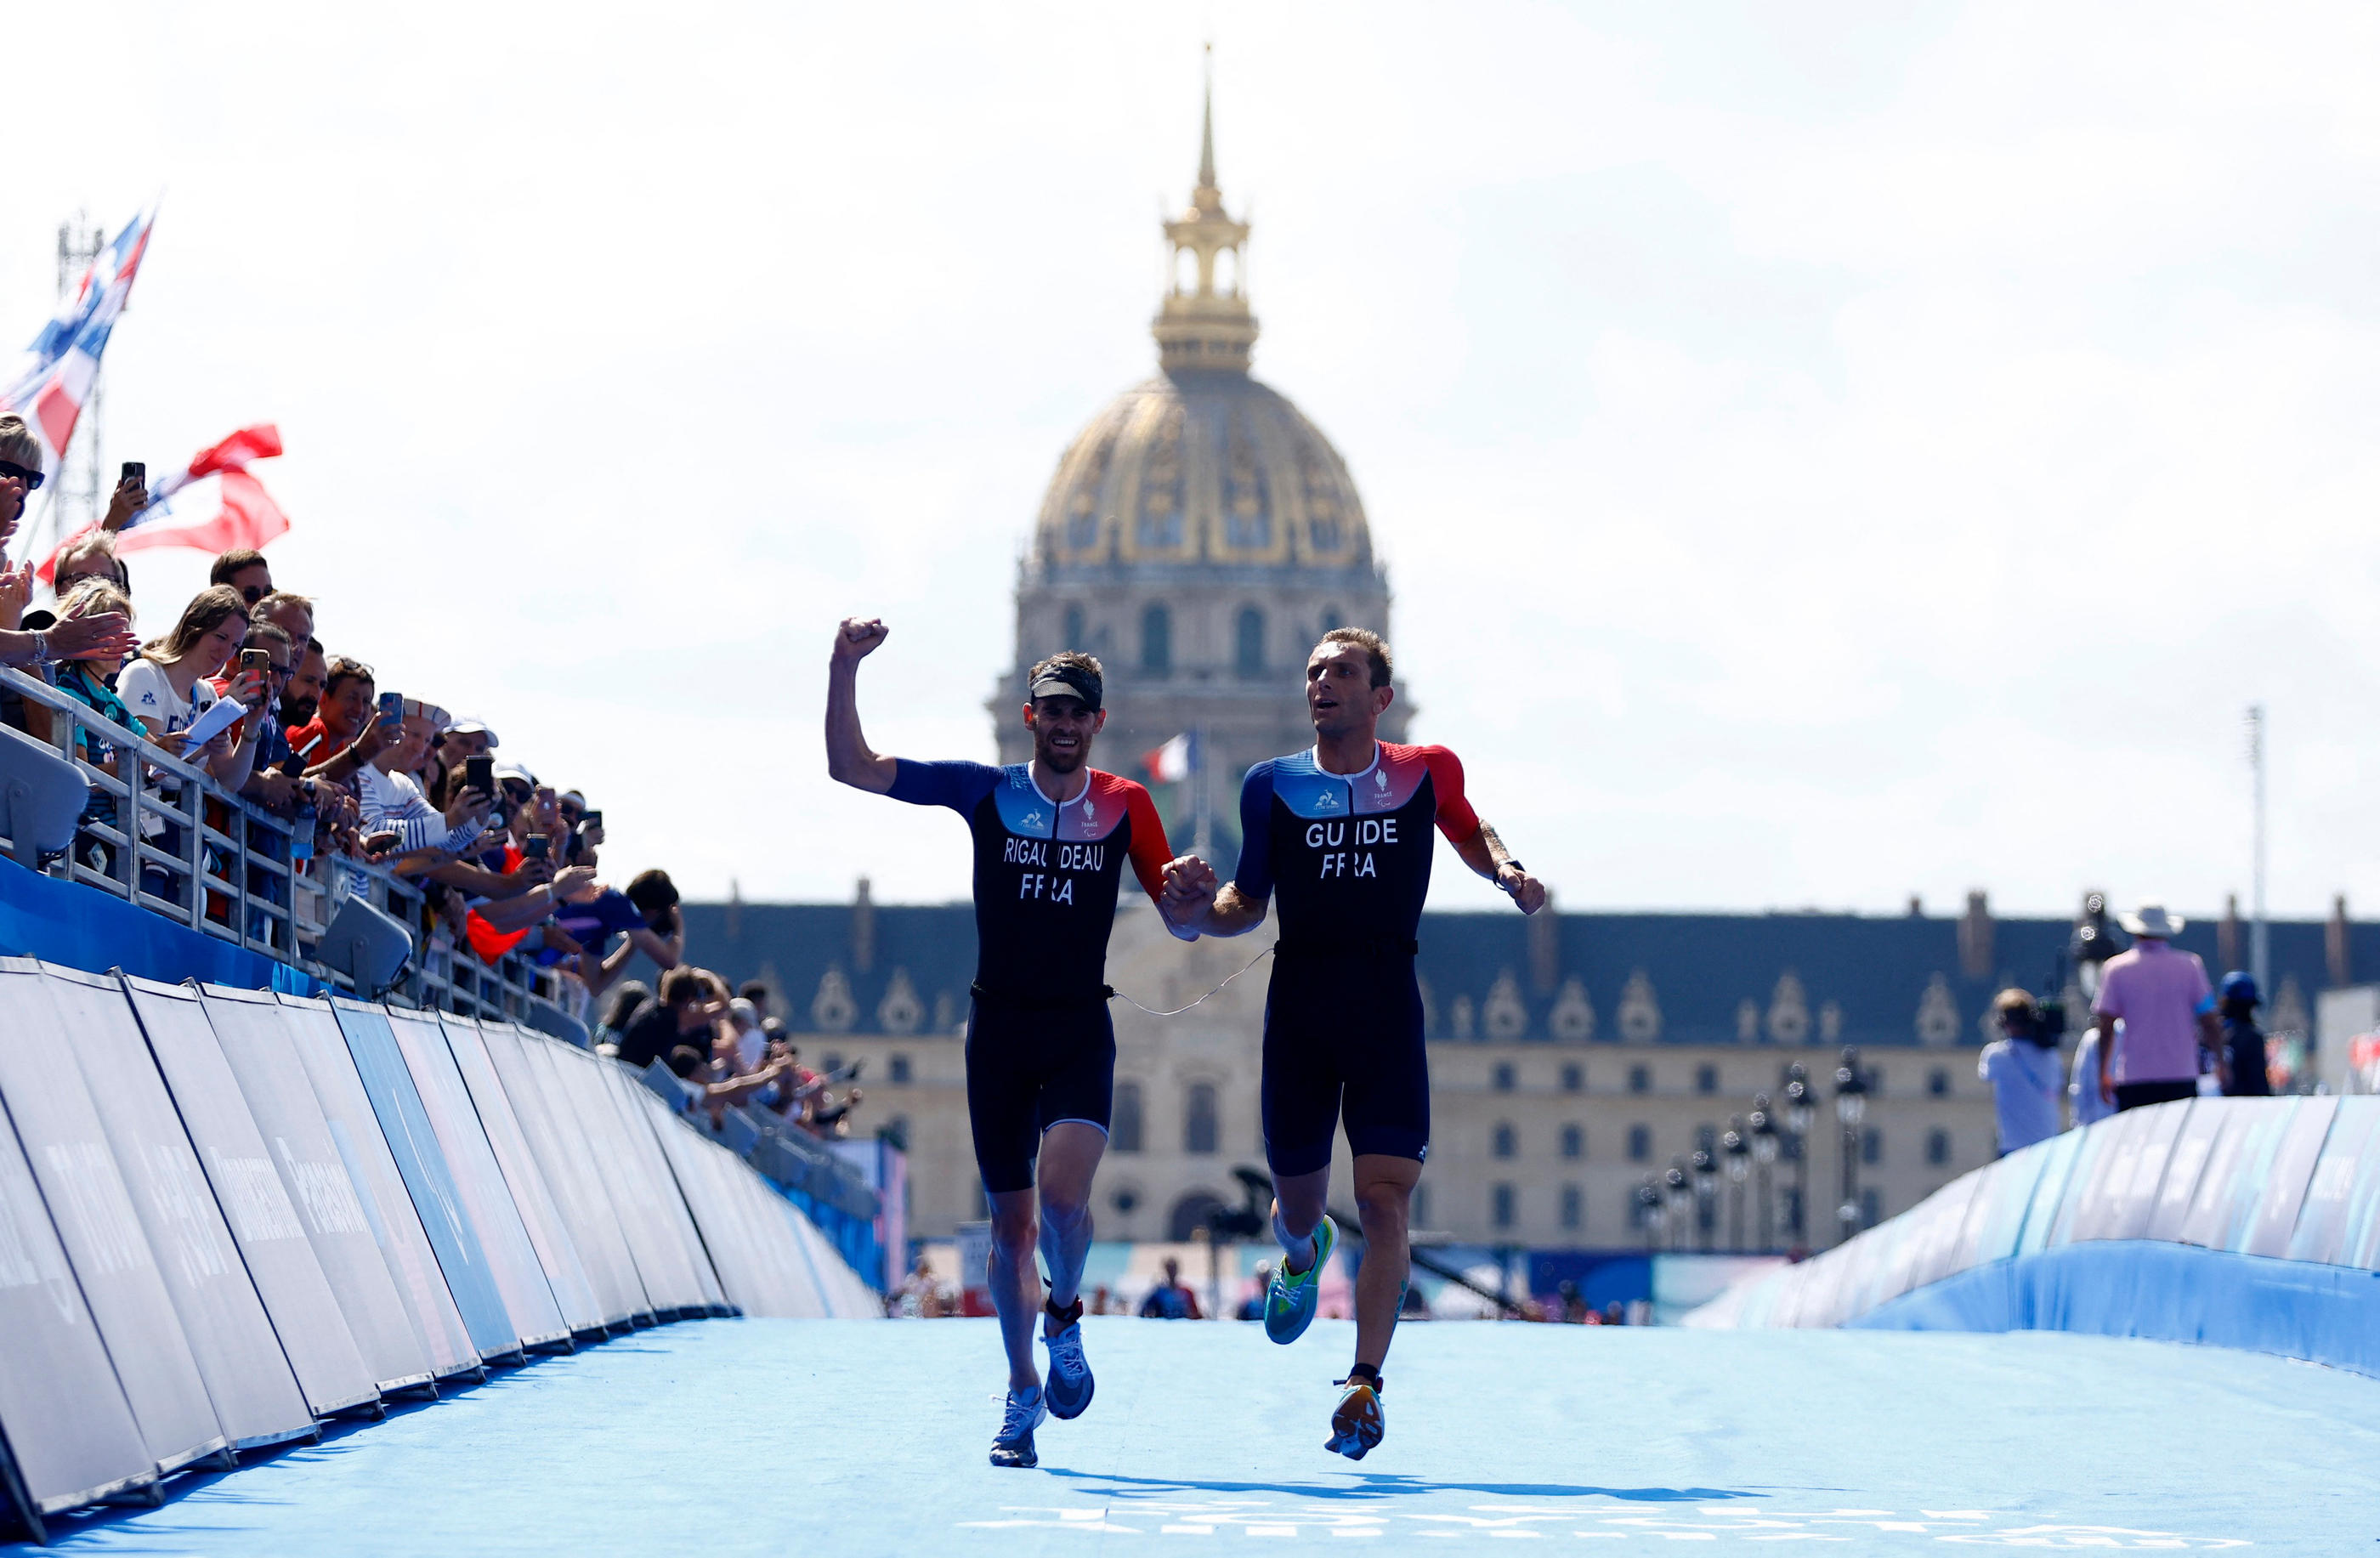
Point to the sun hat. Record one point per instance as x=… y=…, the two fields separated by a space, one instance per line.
x=2151 y=920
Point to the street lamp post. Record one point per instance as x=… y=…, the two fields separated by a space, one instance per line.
x=1648 y=1211
x=1801 y=1114
x=1736 y=1147
x=1850 y=1107
x=1705 y=1169
x=1764 y=1158
x=1680 y=1192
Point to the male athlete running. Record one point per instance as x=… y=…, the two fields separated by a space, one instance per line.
x=1342 y=828
x=1050 y=837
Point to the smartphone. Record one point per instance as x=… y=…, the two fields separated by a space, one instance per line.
x=392 y=707
x=548 y=808
x=538 y=847
x=480 y=774
x=135 y=470
x=255 y=660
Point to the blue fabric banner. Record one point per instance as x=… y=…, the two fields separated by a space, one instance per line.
x=79 y=927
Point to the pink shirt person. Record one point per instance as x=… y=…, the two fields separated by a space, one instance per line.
x=2159 y=994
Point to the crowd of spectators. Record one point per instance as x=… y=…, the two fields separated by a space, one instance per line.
x=725 y=1047
x=504 y=862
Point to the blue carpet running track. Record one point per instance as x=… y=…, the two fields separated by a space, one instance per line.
x=854 y=1437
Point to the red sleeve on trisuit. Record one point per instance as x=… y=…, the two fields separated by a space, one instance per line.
x=1455 y=818
x=1149 y=850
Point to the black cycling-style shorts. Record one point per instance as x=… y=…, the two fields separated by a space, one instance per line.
x=1343 y=1044
x=1029 y=1066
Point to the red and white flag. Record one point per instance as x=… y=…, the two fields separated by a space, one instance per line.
x=248 y=518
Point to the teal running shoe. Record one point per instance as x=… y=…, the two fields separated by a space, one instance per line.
x=1290 y=1301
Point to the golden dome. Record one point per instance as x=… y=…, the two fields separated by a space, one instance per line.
x=1203 y=464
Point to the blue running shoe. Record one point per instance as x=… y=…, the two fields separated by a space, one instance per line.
x=1290 y=1302
x=1070 y=1383
x=1014 y=1445
x=1357 y=1427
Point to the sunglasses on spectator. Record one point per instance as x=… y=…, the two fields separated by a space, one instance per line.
x=31 y=479
x=250 y=593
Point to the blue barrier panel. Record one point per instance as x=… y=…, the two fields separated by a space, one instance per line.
x=1945 y=1234
x=549 y=1236
x=486 y=1200
x=290 y=1278
x=741 y=1253
x=64 y=1421
x=1997 y=1217
x=72 y=926
x=572 y=1180
x=253 y=1030
x=397 y=1227
x=256 y=1398
x=2343 y=1193
x=58 y=1127
x=428 y=1180
x=2049 y=1190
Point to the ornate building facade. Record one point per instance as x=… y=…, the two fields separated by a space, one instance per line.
x=1198 y=536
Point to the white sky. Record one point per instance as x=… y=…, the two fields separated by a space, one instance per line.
x=1823 y=454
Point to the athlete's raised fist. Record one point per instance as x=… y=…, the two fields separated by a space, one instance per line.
x=858 y=637
x=1190 y=882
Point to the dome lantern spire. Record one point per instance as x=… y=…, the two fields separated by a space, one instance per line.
x=1204 y=321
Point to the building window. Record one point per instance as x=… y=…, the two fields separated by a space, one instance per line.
x=1573 y=1206
x=1157 y=641
x=1640 y=1144
x=1937 y=1082
x=1574 y=1141
x=1421 y=1206
x=1078 y=631
x=897 y=1068
x=1937 y=1147
x=1705 y=1079
x=1872 y=1146
x=1123 y=1123
x=830 y=1064
x=1500 y=1206
x=1640 y=1078
x=1871 y=1207
x=1248 y=643
x=1198 y=1129
x=1331 y=617
x=1504 y=1078
x=1574 y=1077
x=1508 y=1140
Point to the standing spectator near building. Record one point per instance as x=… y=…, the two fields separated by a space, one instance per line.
x=2167 y=1008
x=1252 y=1305
x=2021 y=1066
x=2244 y=1072
x=2083 y=1082
x=1171 y=1299
x=683 y=1014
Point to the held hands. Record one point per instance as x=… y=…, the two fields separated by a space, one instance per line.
x=1525 y=890
x=858 y=637
x=1190 y=887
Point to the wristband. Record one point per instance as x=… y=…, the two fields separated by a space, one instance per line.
x=41 y=655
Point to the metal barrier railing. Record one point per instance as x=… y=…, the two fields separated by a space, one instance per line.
x=163 y=836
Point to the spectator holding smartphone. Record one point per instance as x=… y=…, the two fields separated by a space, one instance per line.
x=167 y=687
x=345 y=733
x=392 y=801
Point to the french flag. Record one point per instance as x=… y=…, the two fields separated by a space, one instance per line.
x=1174 y=761
x=53 y=378
x=249 y=517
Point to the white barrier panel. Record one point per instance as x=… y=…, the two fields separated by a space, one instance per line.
x=289 y=1277
x=252 y=1028
x=663 y=1264
x=748 y=1255
x=486 y=1200
x=397 y=1225
x=58 y=1127
x=256 y=1398
x=548 y=1235
x=644 y=1116
x=570 y=1172
x=70 y=1436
